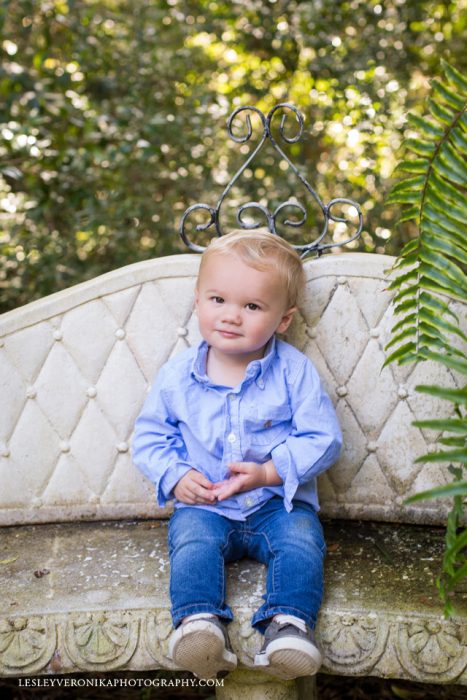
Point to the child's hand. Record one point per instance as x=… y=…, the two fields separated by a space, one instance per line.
x=194 y=489
x=245 y=477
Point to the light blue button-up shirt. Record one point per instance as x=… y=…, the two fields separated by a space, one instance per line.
x=279 y=411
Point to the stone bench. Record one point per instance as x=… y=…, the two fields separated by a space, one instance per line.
x=83 y=560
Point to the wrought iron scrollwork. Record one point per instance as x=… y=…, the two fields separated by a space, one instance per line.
x=270 y=219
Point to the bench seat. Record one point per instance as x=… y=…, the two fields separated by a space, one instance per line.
x=83 y=561
x=94 y=597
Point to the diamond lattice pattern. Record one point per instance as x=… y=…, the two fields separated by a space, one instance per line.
x=73 y=382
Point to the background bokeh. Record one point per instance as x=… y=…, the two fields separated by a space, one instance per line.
x=113 y=118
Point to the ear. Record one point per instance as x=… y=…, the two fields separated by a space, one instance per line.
x=286 y=320
x=196 y=300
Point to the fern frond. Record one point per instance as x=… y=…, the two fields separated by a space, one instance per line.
x=427 y=274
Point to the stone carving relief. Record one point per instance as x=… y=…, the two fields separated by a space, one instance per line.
x=156 y=632
x=432 y=651
x=351 y=644
x=427 y=651
x=26 y=644
x=246 y=641
x=101 y=640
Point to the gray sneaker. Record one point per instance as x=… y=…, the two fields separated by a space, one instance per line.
x=202 y=646
x=289 y=650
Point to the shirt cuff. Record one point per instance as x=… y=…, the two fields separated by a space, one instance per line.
x=280 y=456
x=168 y=482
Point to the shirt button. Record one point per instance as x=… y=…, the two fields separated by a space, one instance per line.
x=231 y=437
x=249 y=502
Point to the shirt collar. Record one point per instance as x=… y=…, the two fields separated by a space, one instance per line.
x=255 y=370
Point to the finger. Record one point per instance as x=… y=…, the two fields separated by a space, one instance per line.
x=202 y=480
x=240 y=467
x=204 y=495
x=233 y=486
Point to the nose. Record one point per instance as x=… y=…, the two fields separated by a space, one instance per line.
x=231 y=314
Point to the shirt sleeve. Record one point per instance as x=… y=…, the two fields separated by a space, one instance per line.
x=159 y=451
x=315 y=441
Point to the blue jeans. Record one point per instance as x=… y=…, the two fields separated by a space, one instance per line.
x=290 y=544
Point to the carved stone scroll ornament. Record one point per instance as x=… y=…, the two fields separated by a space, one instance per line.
x=98 y=641
x=432 y=651
x=26 y=644
x=351 y=644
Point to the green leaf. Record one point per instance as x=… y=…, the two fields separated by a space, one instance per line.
x=453 y=99
x=405 y=306
x=460 y=574
x=406 y=261
x=455 y=441
x=409 y=184
x=460 y=542
x=445 y=170
x=443 y=265
x=409 y=214
x=445 y=115
x=416 y=165
x=445 y=214
x=421 y=148
x=458 y=396
x=448 y=456
x=453 y=425
x=439 y=322
x=409 y=247
x=458 y=488
x=408 y=197
x=437 y=270
x=406 y=292
x=444 y=246
x=409 y=319
x=455 y=77
x=457 y=364
x=430 y=226
x=399 y=337
x=428 y=128
x=401 y=279
x=457 y=208
x=436 y=305
x=459 y=141
x=449 y=155
x=406 y=353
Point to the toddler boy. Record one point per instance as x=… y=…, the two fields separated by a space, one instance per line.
x=236 y=431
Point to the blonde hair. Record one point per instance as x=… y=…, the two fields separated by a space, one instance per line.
x=262 y=250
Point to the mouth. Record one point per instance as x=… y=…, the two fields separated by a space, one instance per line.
x=229 y=334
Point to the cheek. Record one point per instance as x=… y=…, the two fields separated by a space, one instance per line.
x=205 y=315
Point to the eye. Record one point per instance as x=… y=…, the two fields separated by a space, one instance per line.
x=217 y=300
x=253 y=307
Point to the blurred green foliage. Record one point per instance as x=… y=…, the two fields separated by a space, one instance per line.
x=112 y=117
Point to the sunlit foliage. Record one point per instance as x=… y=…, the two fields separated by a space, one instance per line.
x=112 y=117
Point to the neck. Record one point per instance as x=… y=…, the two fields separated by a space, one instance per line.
x=229 y=370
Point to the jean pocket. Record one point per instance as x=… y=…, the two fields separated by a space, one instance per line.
x=265 y=424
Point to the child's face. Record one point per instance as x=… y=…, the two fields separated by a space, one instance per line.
x=240 y=308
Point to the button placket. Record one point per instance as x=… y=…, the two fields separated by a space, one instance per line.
x=233 y=437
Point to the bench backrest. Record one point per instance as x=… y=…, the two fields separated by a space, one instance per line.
x=75 y=368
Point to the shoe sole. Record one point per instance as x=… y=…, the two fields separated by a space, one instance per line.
x=199 y=647
x=291 y=661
